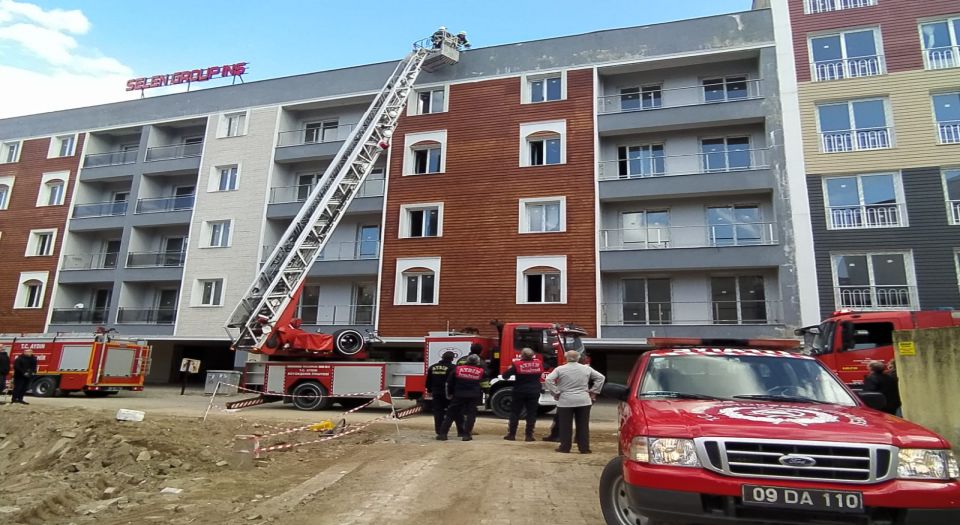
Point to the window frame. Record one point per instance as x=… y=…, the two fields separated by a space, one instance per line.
x=8 y=181
x=909 y=271
x=807 y=4
x=56 y=146
x=414 y=105
x=405 y=222
x=726 y=153
x=955 y=135
x=34 y=242
x=524 y=226
x=5 y=147
x=954 y=41
x=320 y=132
x=210 y=230
x=887 y=117
x=21 y=301
x=415 y=266
x=527 y=89
x=747 y=81
x=413 y=142
x=216 y=185
x=655 y=92
x=529 y=129
x=201 y=292
x=877 y=44
x=899 y=194
x=739 y=301
x=648 y=319
x=953 y=206
x=225 y=126
x=527 y=263
x=44 y=193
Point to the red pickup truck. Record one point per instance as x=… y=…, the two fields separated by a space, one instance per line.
x=747 y=432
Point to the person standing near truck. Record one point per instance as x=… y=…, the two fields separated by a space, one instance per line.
x=437 y=386
x=879 y=381
x=575 y=386
x=526 y=392
x=4 y=370
x=24 y=368
x=465 y=393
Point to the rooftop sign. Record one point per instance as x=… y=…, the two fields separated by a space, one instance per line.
x=186 y=77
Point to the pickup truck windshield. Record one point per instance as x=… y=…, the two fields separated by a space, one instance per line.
x=758 y=378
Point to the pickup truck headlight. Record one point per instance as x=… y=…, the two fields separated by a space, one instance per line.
x=917 y=463
x=664 y=451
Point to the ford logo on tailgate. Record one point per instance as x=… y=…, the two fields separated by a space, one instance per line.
x=793 y=460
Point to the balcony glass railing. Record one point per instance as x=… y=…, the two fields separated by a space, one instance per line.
x=866 y=216
x=146 y=315
x=340 y=314
x=856 y=140
x=90 y=261
x=824 y=6
x=287 y=194
x=653 y=313
x=867 y=66
x=111 y=158
x=653 y=165
x=175 y=151
x=162 y=204
x=949 y=131
x=942 y=57
x=337 y=251
x=730 y=90
x=79 y=315
x=298 y=137
x=99 y=209
x=887 y=297
x=155 y=259
x=702 y=236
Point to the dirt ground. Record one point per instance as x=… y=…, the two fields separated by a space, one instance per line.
x=67 y=460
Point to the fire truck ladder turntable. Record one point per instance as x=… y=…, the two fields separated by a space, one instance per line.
x=280 y=279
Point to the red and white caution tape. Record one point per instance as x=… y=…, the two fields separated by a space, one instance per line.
x=258 y=450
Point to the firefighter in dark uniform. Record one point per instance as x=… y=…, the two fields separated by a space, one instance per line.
x=465 y=393
x=24 y=368
x=437 y=386
x=526 y=392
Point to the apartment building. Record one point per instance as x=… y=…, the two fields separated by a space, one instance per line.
x=631 y=181
x=879 y=100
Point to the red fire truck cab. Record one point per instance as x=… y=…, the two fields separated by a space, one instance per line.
x=97 y=364
x=848 y=341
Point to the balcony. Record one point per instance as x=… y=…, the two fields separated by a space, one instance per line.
x=308 y=144
x=691 y=107
x=942 y=57
x=89 y=267
x=691 y=319
x=700 y=236
x=954 y=207
x=112 y=158
x=949 y=131
x=329 y=318
x=176 y=159
x=100 y=209
x=856 y=140
x=825 y=6
x=156 y=259
x=340 y=259
x=886 y=297
x=285 y=201
x=79 y=316
x=730 y=171
x=866 y=66
x=161 y=211
x=148 y=316
x=867 y=216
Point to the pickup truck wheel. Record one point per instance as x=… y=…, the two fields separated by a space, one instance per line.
x=614 y=503
x=348 y=342
x=311 y=396
x=45 y=387
x=501 y=402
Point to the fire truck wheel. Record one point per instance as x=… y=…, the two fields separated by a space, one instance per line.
x=45 y=387
x=501 y=401
x=311 y=395
x=348 y=342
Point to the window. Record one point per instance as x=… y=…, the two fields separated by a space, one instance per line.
x=430 y=101
x=417 y=281
x=738 y=300
x=874 y=281
x=946 y=108
x=867 y=336
x=423 y=153
x=641 y=230
x=544 y=149
x=646 y=301
x=646 y=160
x=228 y=178
x=55 y=193
x=6 y=189
x=545 y=89
x=31 y=290
x=234 y=124
x=211 y=292
x=864 y=201
x=941 y=43
x=848 y=54
x=9 y=152
x=52 y=189
x=542 y=143
x=542 y=280
x=421 y=220
x=725 y=89
x=643 y=97
x=219 y=234
x=426 y=160
x=545 y=214
x=726 y=154
x=735 y=226
x=62 y=146
x=854 y=126
x=325 y=131
x=951 y=187
x=823 y=6
x=40 y=243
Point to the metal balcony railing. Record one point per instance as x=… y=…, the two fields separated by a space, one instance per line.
x=949 y=131
x=155 y=259
x=176 y=151
x=867 y=66
x=337 y=251
x=823 y=6
x=163 y=204
x=111 y=158
x=701 y=236
x=100 y=209
x=691 y=164
x=954 y=206
x=867 y=216
x=886 y=297
x=856 y=140
x=729 y=91
x=372 y=188
x=299 y=137
x=79 y=315
x=146 y=315
x=90 y=261
x=299 y=193
x=653 y=313
x=942 y=57
x=339 y=314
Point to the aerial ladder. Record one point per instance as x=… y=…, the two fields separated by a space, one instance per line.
x=263 y=321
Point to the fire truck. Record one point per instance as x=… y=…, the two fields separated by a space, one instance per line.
x=97 y=365
x=848 y=341
x=314 y=369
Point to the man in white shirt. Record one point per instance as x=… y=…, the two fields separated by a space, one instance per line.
x=575 y=386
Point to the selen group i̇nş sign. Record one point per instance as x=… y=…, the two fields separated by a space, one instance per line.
x=185 y=77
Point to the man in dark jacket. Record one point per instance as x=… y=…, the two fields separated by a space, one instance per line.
x=24 y=368
x=437 y=386
x=879 y=381
x=526 y=392
x=4 y=370
x=465 y=392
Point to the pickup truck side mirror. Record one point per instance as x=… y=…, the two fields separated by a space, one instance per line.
x=874 y=400
x=615 y=391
